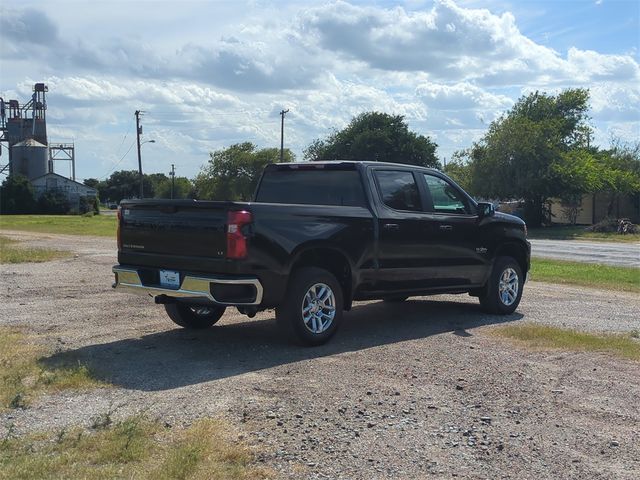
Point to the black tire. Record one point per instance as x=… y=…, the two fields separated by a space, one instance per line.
x=491 y=297
x=290 y=317
x=196 y=317
x=398 y=299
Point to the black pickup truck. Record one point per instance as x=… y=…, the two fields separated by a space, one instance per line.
x=316 y=237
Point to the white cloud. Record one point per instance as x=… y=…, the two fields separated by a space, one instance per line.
x=615 y=102
x=461 y=96
x=211 y=74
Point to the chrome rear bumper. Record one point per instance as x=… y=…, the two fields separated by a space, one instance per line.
x=128 y=278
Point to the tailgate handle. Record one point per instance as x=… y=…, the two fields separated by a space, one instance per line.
x=446 y=227
x=391 y=226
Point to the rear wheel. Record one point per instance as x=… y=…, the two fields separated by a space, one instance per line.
x=503 y=291
x=312 y=310
x=195 y=317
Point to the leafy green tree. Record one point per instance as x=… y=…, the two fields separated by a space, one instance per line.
x=578 y=172
x=157 y=180
x=621 y=172
x=517 y=157
x=459 y=170
x=92 y=182
x=375 y=136
x=17 y=196
x=183 y=188
x=615 y=172
x=125 y=184
x=233 y=173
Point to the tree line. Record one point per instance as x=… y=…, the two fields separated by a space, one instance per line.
x=539 y=149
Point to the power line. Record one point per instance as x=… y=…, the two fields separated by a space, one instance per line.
x=119 y=161
x=123 y=139
x=186 y=113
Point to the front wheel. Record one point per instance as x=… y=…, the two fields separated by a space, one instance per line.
x=312 y=310
x=196 y=317
x=503 y=291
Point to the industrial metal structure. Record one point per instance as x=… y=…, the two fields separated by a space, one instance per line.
x=23 y=135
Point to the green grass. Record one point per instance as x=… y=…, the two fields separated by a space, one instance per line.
x=97 y=225
x=545 y=337
x=135 y=448
x=11 y=252
x=587 y=274
x=24 y=377
x=579 y=233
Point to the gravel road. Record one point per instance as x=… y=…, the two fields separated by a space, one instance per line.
x=415 y=390
x=607 y=253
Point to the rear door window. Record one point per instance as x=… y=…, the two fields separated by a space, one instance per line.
x=312 y=187
x=398 y=189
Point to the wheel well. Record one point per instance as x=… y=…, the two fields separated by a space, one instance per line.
x=333 y=261
x=515 y=250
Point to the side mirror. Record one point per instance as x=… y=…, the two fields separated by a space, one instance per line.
x=485 y=209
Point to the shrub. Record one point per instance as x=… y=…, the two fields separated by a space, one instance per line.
x=53 y=202
x=89 y=205
x=16 y=196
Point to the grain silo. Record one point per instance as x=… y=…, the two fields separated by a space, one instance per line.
x=29 y=158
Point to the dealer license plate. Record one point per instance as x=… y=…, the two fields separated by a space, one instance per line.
x=170 y=279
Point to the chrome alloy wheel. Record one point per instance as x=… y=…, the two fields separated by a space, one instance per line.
x=318 y=308
x=508 y=287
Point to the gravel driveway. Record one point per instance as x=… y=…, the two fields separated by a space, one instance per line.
x=415 y=390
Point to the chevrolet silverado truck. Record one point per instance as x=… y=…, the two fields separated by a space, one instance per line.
x=317 y=237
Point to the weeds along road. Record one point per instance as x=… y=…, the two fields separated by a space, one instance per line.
x=402 y=391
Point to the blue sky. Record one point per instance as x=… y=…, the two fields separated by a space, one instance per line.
x=213 y=73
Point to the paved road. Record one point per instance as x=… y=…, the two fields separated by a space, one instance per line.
x=619 y=254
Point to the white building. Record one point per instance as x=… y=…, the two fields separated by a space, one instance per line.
x=70 y=188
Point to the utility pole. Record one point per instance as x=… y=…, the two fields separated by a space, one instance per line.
x=138 y=133
x=173 y=178
x=282 y=114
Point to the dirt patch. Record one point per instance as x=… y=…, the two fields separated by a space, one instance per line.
x=403 y=391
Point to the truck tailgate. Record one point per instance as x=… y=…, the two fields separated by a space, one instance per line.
x=176 y=227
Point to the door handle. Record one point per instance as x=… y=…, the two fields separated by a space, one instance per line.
x=446 y=227
x=391 y=226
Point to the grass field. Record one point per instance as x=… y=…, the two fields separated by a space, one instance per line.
x=134 y=448
x=587 y=274
x=12 y=252
x=24 y=377
x=579 y=233
x=545 y=337
x=98 y=225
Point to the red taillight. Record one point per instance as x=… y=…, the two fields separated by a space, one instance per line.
x=236 y=241
x=118 y=235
